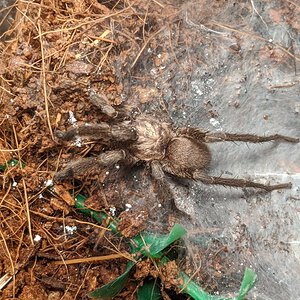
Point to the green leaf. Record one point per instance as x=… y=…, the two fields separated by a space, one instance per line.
x=197 y=293
x=97 y=216
x=149 y=291
x=152 y=245
x=247 y=283
x=113 y=288
x=11 y=163
x=161 y=243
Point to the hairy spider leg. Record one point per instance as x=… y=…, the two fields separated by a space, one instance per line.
x=100 y=132
x=164 y=192
x=102 y=102
x=159 y=177
x=251 y=138
x=90 y=164
x=235 y=182
x=211 y=137
x=194 y=133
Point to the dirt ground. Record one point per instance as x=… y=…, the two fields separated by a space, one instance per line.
x=54 y=53
x=138 y=54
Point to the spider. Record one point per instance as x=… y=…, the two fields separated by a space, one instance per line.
x=181 y=152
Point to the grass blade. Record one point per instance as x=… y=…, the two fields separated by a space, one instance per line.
x=113 y=288
x=149 y=291
x=150 y=244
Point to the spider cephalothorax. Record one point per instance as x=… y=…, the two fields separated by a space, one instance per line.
x=182 y=152
x=152 y=139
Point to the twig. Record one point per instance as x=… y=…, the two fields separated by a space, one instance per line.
x=11 y=262
x=4 y=280
x=7 y=91
x=292 y=2
x=93 y=259
x=25 y=190
x=283 y=85
x=255 y=10
x=43 y=73
x=9 y=8
x=13 y=150
x=27 y=211
x=6 y=194
x=190 y=279
x=201 y=26
x=71 y=220
x=145 y=45
x=83 y=282
x=159 y=4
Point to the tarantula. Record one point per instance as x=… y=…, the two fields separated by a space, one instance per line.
x=181 y=152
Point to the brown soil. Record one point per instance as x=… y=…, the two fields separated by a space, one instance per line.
x=50 y=58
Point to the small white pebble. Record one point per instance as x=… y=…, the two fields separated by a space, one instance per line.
x=117 y=167
x=112 y=211
x=153 y=71
x=72 y=120
x=78 y=141
x=128 y=206
x=37 y=238
x=14 y=184
x=107 y=172
x=48 y=183
x=159 y=205
x=214 y=122
x=70 y=229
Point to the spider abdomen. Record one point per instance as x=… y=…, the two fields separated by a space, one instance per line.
x=153 y=138
x=184 y=156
